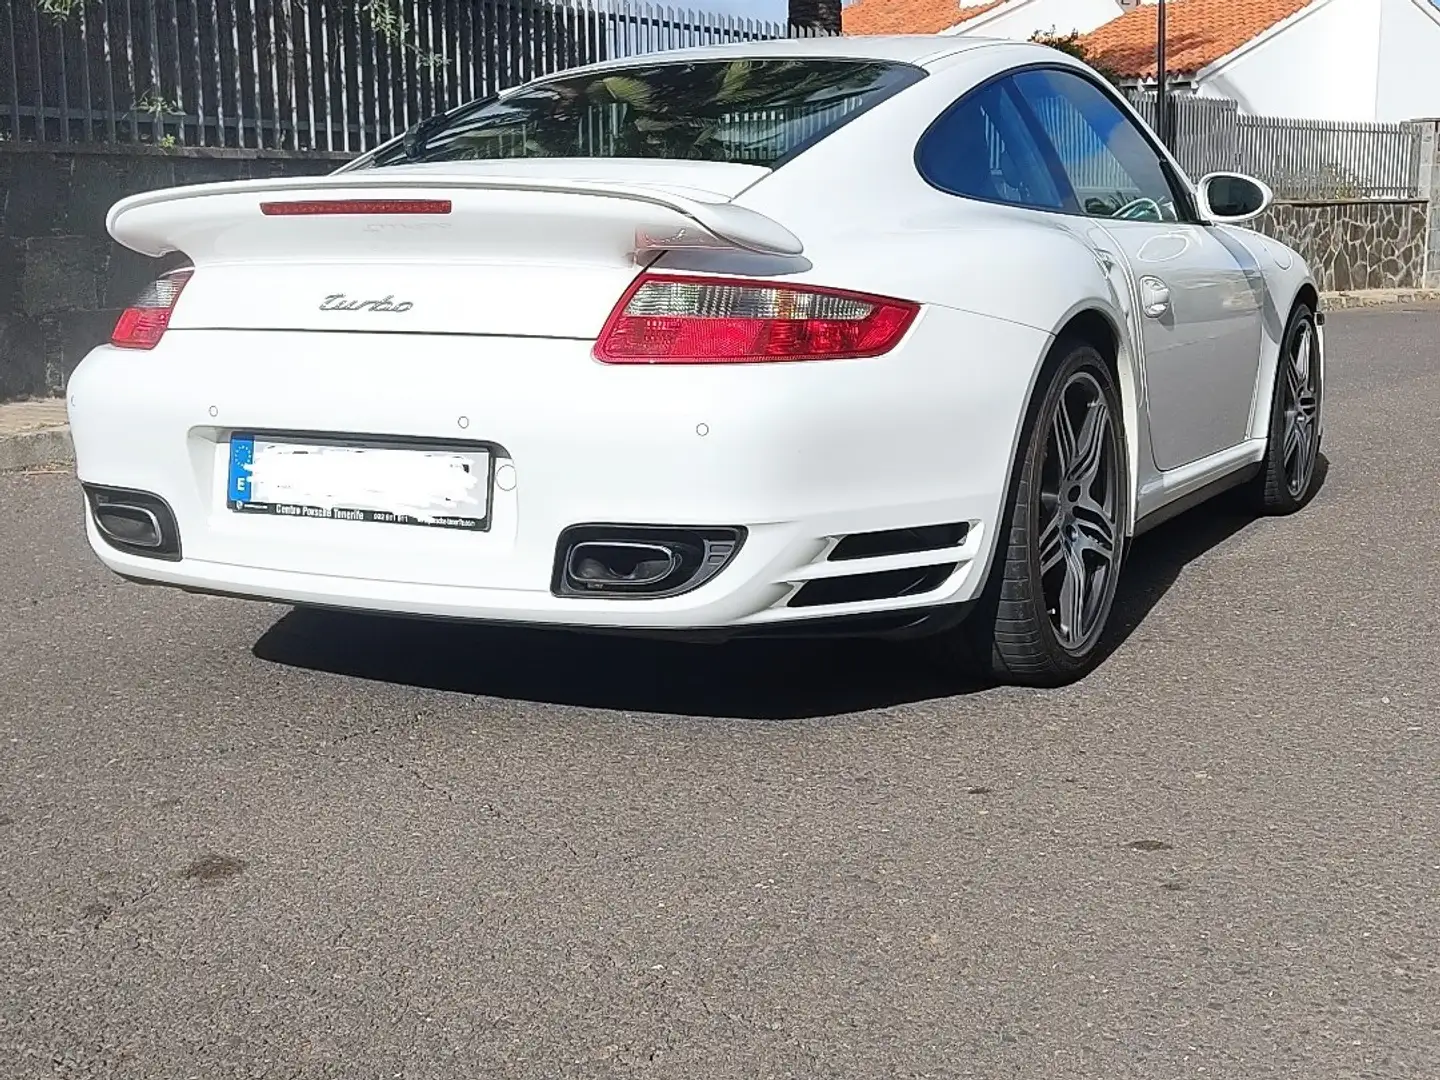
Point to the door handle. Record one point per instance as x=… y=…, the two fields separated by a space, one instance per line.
x=1154 y=297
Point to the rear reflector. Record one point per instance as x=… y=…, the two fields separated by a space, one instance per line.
x=695 y=320
x=143 y=323
x=322 y=207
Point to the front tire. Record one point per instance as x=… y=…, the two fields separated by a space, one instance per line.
x=1057 y=565
x=1286 y=480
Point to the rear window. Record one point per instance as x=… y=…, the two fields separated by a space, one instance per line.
x=751 y=111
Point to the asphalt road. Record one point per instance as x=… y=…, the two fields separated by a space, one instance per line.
x=241 y=842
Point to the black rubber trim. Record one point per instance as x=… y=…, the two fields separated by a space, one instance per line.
x=1195 y=498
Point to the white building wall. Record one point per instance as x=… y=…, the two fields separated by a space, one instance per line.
x=1323 y=64
x=1020 y=20
x=1408 y=82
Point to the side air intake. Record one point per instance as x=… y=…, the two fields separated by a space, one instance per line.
x=874 y=545
x=882 y=585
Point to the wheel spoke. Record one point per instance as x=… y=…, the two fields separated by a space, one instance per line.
x=1072 y=598
x=1300 y=364
x=1305 y=454
x=1294 y=439
x=1063 y=439
x=1295 y=384
x=1094 y=529
x=1090 y=445
x=1051 y=544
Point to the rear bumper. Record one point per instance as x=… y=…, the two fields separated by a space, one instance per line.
x=886 y=621
x=796 y=454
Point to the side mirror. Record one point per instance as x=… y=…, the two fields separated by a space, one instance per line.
x=1231 y=199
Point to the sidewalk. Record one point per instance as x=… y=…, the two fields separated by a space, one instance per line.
x=1368 y=298
x=34 y=433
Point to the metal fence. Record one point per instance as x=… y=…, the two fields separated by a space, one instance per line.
x=1308 y=159
x=1300 y=159
x=342 y=75
x=347 y=75
x=1202 y=131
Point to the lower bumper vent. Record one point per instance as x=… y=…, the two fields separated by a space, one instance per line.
x=883 y=585
x=874 y=545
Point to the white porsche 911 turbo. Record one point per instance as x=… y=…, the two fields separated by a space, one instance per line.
x=891 y=336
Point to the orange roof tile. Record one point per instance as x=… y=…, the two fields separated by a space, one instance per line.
x=908 y=16
x=1197 y=33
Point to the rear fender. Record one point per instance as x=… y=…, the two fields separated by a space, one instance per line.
x=991 y=272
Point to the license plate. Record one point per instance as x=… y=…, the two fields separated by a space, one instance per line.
x=358 y=481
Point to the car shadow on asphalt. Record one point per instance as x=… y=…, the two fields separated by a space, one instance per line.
x=1158 y=557
x=755 y=680
x=752 y=680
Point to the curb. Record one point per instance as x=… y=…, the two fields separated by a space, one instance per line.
x=50 y=446
x=1372 y=298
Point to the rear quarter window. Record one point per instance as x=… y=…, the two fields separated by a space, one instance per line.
x=983 y=147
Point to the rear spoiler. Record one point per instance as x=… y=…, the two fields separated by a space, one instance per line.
x=720 y=224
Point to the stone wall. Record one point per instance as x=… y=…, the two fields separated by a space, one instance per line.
x=1355 y=245
x=63 y=280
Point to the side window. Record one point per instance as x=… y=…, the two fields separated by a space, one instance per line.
x=982 y=147
x=1113 y=168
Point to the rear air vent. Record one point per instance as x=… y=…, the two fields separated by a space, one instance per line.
x=134 y=522
x=885 y=585
x=640 y=562
x=873 y=545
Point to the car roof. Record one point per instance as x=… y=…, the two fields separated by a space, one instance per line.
x=922 y=50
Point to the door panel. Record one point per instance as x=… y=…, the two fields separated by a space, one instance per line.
x=1195 y=294
x=1202 y=351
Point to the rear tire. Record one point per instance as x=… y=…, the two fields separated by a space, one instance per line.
x=1286 y=481
x=1057 y=563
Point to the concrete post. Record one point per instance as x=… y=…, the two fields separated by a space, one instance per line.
x=1430 y=189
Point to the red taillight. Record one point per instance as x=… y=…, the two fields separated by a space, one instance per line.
x=322 y=207
x=695 y=320
x=143 y=323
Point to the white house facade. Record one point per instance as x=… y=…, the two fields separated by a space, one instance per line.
x=1337 y=60
x=1324 y=60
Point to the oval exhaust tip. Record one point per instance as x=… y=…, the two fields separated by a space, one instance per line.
x=640 y=562
x=134 y=525
x=621 y=564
